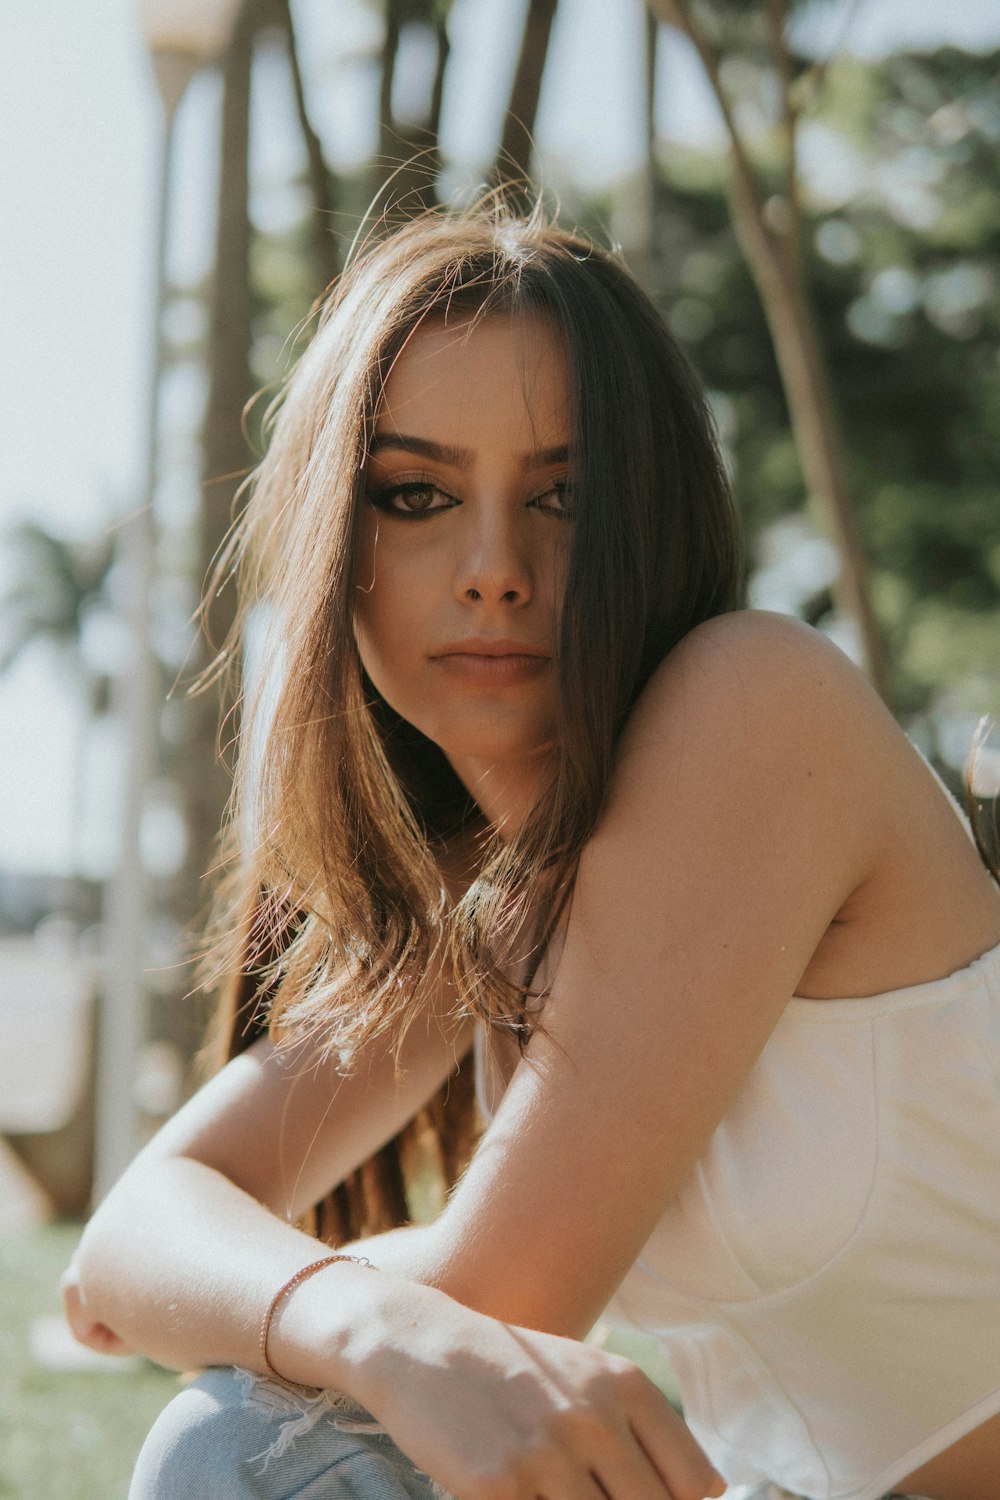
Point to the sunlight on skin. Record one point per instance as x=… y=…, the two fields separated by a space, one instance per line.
x=463 y=544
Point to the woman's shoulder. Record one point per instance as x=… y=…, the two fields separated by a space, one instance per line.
x=758 y=735
x=753 y=674
x=766 y=644
x=759 y=731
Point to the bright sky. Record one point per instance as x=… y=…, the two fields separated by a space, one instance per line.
x=78 y=121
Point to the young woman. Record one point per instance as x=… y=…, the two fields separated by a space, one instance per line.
x=728 y=959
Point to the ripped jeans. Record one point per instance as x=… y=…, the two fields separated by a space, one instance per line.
x=231 y=1435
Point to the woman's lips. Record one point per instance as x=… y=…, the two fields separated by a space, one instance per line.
x=493 y=670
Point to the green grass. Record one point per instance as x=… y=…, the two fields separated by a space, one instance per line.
x=63 y=1436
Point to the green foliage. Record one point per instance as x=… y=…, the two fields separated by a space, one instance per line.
x=57 y=583
x=901 y=190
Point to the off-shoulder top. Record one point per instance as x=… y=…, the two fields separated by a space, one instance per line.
x=826 y=1284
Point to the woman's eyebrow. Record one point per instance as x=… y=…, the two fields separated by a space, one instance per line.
x=542 y=458
x=459 y=458
x=444 y=453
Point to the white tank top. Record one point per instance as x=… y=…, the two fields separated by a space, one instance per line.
x=826 y=1284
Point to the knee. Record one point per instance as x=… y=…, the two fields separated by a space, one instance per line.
x=226 y=1438
x=201 y=1442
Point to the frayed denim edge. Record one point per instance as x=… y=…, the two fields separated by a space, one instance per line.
x=299 y=1413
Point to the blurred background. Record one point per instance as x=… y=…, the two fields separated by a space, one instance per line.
x=811 y=193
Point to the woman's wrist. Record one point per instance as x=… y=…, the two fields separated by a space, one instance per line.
x=331 y=1329
x=312 y=1268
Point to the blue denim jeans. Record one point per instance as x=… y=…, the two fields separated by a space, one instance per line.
x=235 y=1436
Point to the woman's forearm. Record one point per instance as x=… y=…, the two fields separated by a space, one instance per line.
x=471 y=1400
x=194 y=1292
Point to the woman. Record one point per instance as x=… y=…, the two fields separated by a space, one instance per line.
x=534 y=781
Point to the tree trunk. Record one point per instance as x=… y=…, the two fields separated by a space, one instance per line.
x=225 y=460
x=811 y=412
x=513 y=163
x=409 y=161
x=320 y=180
x=437 y=88
x=388 y=143
x=777 y=272
x=638 y=206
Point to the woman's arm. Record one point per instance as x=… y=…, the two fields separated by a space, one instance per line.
x=191 y=1244
x=181 y=1261
x=736 y=827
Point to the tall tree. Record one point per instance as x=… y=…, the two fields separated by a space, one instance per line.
x=225 y=463
x=409 y=156
x=769 y=229
x=320 y=179
x=513 y=163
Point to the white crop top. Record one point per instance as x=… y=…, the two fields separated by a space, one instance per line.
x=826 y=1284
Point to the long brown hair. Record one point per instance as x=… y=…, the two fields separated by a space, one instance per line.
x=352 y=809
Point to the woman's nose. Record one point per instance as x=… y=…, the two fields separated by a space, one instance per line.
x=494 y=567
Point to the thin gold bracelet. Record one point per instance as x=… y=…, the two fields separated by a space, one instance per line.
x=283 y=1291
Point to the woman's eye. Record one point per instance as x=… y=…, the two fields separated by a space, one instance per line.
x=416 y=498
x=558 y=500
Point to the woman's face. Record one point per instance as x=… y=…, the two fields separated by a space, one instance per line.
x=465 y=536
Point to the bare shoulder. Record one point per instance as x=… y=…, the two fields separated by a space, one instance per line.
x=761 y=720
x=758 y=657
x=762 y=689
x=745 y=768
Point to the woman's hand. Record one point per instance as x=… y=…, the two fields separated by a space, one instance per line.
x=495 y=1412
x=83 y=1327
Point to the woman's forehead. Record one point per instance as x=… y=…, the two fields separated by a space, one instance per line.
x=473 y=366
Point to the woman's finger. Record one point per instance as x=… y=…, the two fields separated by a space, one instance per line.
x=685 y=1470
x=84 y=1328
x=648 y=1452
x=624 y=1471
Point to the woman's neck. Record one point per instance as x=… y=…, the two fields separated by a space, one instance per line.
x=505 y=792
